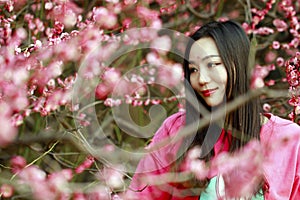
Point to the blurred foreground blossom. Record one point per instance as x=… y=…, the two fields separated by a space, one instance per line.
x=8 y=132
x=258 y=75
x=6 y=190
x=243 y=169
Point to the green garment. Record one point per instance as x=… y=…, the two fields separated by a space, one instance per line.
x=211 y=194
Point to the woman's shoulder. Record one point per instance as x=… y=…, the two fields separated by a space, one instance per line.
x=169 y=127
x=274 y=121
x=277 y=130
x=281 y=141
x=176 y=118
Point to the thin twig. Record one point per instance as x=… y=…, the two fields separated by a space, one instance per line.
x=38 y=158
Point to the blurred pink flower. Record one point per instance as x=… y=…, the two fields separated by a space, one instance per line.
x=258 y=75
x=146 y=13
x=162 y=44
x=111 y=77
x=99 y=192
x=294 y=43
x=270 y=82
x=248 y=29
x=130 y=2
x=32 y=174
x=242 y=172
x=280 y=25
x=87 y=163
x=126 y=22
x=153 y=58
x=113 y=177
x=264 y=31
x=79 y=196
x=112 y=102
x=65 y=12
x=193 y=164
x=267 y=107
x=17 y=163
x=58 y=181
x=6 y=190
x=57 y=98
x=280 y=61
x=44 y=74
x=270 y=56
x=8 y=132
x=276 y=45
x=170 y=75
x=104 y=17
x=55 y=186
x=102 y=91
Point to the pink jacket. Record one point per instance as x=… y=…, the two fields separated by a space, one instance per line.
x=281 y=171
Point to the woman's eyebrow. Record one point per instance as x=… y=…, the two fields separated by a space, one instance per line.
x=192 y=62
x=209 y=56
x=204 y=58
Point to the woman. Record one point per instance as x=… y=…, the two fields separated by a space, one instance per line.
x=216 y=67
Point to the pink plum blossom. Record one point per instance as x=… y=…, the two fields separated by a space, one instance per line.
x=266 y=107
x=104 y=17
x=85 y=164
x=280 y=25
x=113 y=177
x=6 y=190
x=193 y=164
x=8 y=132
x=162 y=44
x=111 y=77
x=17 y=164
x=259 y=73
x=276 y=45
x=170 y=75
x=280 y=61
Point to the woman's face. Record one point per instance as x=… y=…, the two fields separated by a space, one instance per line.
x=208 y=74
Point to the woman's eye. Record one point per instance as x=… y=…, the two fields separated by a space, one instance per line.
x=193 y=70
x=209 y=65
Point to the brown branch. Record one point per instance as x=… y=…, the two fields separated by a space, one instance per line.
x=42 y=138
x=231 y=106
x=270 y=14
x=267 y=42
x=105 y=156
x=201 y=15
x=178 y=22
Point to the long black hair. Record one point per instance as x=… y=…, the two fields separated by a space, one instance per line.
x=244 y=122
x=234 y=47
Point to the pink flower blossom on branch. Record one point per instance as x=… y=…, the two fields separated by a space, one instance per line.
x=292 y=67
x=17 y=164
x=280 y=25
x=6 y=190
x=87 y=163
x=104 y=17
x=258 y=75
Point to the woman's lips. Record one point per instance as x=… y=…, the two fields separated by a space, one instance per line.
x=207 y=93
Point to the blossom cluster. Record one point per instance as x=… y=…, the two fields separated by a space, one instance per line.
x=244 y=167
x=57 y=185
x=293 y=77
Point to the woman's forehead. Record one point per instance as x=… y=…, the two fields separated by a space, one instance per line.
x=203 y=48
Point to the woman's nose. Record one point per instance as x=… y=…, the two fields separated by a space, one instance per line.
x=203 y=78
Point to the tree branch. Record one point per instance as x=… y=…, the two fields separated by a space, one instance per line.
x=201 y=15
